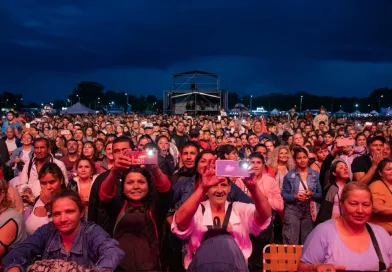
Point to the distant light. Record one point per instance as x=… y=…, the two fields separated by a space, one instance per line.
x=356 y=105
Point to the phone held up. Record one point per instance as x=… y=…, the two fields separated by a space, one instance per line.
x=230 y=168
x=143 y=157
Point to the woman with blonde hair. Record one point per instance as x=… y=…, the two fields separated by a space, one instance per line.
x=281 y=161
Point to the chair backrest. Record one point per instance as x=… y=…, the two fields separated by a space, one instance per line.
x=281 y=257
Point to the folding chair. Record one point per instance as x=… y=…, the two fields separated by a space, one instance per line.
x=281 y=257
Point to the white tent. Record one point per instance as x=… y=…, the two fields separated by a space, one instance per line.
x=78 y=109
x=274 y=112
x=357 y=112
x=373 y=112
x=340 y=112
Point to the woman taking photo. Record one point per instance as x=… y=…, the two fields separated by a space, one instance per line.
x=68 y=238
x=139 y=214
x=301 y=188
x=219 y=230
x=348 y=242
x=330 y=205
x=52 y=181
x=165 y=159
x=382 y=196
x=86 y=175
x=12 y=225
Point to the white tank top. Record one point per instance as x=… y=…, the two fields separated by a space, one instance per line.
x=34 y=222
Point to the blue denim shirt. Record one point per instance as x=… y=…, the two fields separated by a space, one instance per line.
x=92 y=248
x=18 y=153
x=185 y=187
x=291 y=185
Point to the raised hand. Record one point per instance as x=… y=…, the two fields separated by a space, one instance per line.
x=45 y=196
x=122 y=162
x=250 y=181
x=376 y=158
x=208 y=177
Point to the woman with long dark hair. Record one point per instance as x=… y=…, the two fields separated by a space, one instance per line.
x=139 y=214
x=52 y=182
x=338 y=177
x=301 y=186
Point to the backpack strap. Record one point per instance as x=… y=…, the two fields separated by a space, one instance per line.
x=227 y=216
x=381 y=263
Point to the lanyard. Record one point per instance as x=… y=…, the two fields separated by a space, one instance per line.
x=389 y=189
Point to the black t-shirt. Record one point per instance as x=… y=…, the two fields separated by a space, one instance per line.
x=363 y=164
x=180 y=140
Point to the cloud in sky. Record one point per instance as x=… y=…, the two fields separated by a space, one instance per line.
x=255 y=46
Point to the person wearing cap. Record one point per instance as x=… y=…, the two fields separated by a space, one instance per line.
x=338 y=177
x=148 y=130
x=321 y=117
x=364 y=168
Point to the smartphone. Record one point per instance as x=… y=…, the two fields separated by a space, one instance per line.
x=239 y=122
x=27 y=125
x=227 y=133
x=219 y=117
x=229 y=168
x=368 y=124
x=65 y=132
x=143 y=157
x=345 y=142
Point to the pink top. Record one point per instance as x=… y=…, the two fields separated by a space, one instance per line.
x=269 y=187
x=241 y=224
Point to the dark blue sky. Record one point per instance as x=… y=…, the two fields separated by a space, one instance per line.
x=341 y=48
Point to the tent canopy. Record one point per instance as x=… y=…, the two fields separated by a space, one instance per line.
x=78 y=109
x=374 y=112
x=340 y=112
x=356 y=112
x=274 y=111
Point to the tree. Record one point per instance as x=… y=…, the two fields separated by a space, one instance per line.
x=87 y=92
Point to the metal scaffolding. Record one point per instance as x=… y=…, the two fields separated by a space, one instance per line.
x=195 y=92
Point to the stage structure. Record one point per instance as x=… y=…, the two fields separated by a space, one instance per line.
x=195 y=92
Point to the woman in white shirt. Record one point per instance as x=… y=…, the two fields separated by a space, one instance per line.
x=52 y=181
x=214 y=246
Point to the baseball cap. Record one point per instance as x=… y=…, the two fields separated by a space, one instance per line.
x=370 y=140
x=148 y=125
x=194 y=132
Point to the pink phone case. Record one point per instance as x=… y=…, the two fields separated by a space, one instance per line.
x=228 y=168
x=139 y=157
x=345 y=142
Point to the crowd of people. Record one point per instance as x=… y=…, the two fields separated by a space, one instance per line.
x=72 y=198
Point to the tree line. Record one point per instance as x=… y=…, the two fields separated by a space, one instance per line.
x=94 y=96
